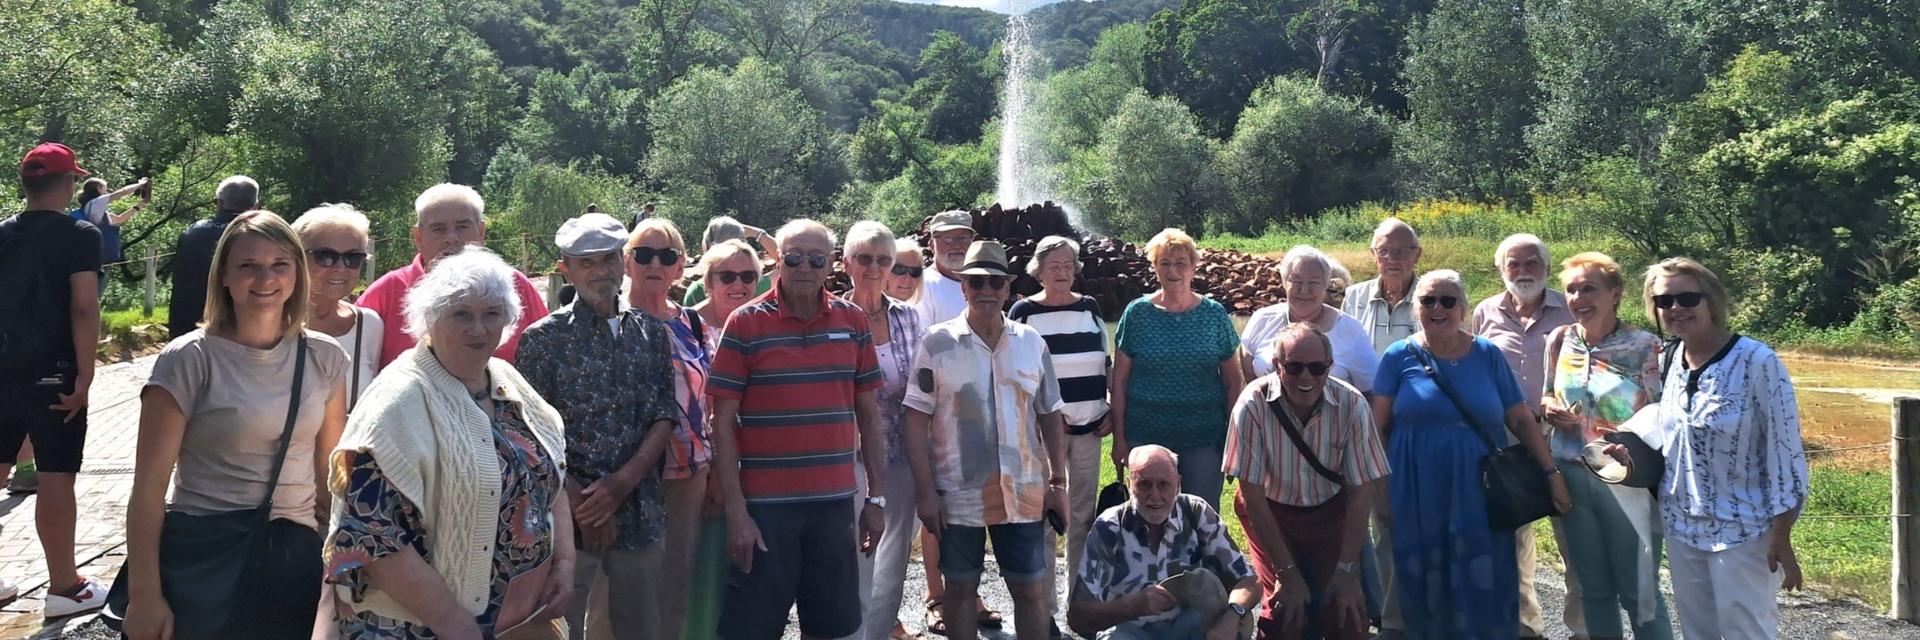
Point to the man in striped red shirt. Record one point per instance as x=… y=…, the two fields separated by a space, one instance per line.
x=1308 y=458
x=793 y=392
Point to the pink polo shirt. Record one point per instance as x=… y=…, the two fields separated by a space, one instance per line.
x=387 y=296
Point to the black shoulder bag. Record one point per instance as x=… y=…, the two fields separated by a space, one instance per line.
x=1300 y=443
x=1517 y=492
x=206 y=560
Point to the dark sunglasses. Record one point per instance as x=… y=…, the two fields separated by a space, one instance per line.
x=1688 y=299
x=815 y=260
x=986 y=282
x=867 y=260
x=645 y=256
x=730 y=277
x=1318 y=368
x=352 y=259
x=1427 y=302
x=904 y=270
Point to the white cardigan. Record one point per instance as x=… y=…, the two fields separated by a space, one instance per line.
x=435 y=445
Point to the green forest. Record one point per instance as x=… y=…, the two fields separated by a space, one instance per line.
x=1780 y=141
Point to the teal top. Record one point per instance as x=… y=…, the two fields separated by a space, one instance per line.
x=1175 y=397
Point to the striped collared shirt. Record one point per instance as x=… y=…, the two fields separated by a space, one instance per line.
x=1341 y=434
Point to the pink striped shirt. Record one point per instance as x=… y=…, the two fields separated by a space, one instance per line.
x=1341 y=434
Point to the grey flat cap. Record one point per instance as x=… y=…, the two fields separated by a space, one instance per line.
x=590 y=235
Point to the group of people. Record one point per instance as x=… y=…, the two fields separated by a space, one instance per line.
x=443 y=456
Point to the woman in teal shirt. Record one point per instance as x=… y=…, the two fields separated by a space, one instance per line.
x=1175 y=370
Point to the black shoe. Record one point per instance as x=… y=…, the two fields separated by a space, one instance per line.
x=1053 y=631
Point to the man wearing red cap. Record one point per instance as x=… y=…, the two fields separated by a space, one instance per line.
x=49 y=273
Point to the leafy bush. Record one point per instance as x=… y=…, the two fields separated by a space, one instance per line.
x=1299 y=150
x=1773 y=290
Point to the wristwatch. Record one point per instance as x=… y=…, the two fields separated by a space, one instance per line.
x=878 y=501
x=1237 y=608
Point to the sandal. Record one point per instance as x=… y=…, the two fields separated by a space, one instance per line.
x=899 y=632
x=990 y=619
x=936 y=618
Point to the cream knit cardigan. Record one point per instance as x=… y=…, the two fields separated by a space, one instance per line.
x=435 y=445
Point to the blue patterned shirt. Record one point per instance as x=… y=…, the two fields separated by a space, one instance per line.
x=1120 y=561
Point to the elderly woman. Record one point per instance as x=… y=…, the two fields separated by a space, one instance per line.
x=1457 y=576
x=1176 y=369
x=659 y=259
x=335 y=236
x=1338 y=279
x=731 y=272
x=903 y=281
x=1600 y=372
x=1736 y=474
x=450 y=519
x=721 y=229
x=1307 y=273
x=236 y=414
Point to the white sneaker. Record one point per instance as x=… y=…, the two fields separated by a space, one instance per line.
x=92 y=597
x=8 y=590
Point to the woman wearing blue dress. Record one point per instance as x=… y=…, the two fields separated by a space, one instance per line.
x=1457 y=576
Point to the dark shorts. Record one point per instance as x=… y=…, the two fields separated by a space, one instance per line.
x=57 y=446
x=1020 y=548
x=810 y=561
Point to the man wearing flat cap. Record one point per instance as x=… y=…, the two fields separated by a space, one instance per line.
x=607 y=369
x=988 y=448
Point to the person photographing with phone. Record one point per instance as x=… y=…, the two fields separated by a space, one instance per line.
x=987 y=446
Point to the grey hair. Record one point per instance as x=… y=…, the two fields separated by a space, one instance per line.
x=1337 y=271
x=237 y=193
x=1302 y=254
x=867 y=233
x=1391 y=224
x=1516 y=241
x=721 y=229
x=1297 y=331
x=472 y=274
x=1141 y=455
x=449 y=193
x=1439 y=277
x=1048 y=245
x=800 y=227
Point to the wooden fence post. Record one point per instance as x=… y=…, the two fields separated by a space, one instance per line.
x=153 y=269
x=554 y=282
x=1906 y=505
x=526 y=254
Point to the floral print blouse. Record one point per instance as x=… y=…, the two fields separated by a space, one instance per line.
x=1608 y=381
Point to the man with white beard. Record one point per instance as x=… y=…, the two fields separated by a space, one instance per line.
x=941 y=297
x=1518 y=321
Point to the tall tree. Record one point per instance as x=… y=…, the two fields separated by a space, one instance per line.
x=1157 y=158
x=1471 y=92
x=790 y=31
x=1300 y=150
x=1607 y=69
x=956 y=89
x=744 y=143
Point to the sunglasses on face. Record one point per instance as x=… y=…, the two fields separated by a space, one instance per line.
x=904 y=270
x=1317 y=368
x=815 y=260
x=328 y=258
x=646 y=255
x=1427 y=302
x=730 y=277
x=986 y=282
x=868 y=260
x=1687 y=300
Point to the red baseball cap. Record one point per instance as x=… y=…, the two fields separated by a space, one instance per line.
x=50 y=158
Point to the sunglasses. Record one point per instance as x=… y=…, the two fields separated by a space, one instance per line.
x=1427 y=302
x=904 y=270
x=645 y=255
x=352 y=259
x=1318 y=368
x=730 y=277
x=867 y=260
x=1687 y=300
x=986 y=282
x=815 y=260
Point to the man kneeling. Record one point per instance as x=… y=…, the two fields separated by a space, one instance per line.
x=1150 y=563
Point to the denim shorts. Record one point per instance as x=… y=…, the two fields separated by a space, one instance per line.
x=1020 y=548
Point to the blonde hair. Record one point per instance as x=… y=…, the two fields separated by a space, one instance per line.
x=657 y=226
x=906 y=247
x=1603 y=263
x=1719 y=304
x=1171 y=239
x=333 y=217
x=218 y=315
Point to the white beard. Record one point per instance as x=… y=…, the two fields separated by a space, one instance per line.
x=1525 y=291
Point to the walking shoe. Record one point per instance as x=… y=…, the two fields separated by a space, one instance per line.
x=91 y=596
x=25 y=480
x=8 y=590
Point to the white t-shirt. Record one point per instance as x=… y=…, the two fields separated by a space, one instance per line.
x=941 y=298
x=97 y=210
x=1353 y=358
x=367 y=333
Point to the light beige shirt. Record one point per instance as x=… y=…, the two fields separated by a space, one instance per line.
x=1385 y=323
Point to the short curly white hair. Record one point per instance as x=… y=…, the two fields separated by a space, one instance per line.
x=1441 y=277
x=472 y=274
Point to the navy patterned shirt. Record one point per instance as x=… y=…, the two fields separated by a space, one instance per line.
x=1120 y=561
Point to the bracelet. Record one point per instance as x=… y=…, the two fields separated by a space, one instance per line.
x=1550 y=472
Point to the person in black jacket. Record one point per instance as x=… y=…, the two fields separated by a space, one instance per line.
x=193 y=255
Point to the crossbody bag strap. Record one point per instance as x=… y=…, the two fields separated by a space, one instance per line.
x=359 y=334
x=286 y=433
x=1433 y=371
x=1300 y=443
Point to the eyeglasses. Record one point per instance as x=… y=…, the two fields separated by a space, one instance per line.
x=1427 y=302
x=730 y=277
x=904 y=270
x=1689 y=299
x=1386 y=253
x=1318 y=368
x=645 y=255
x=986 y=282
x=328 y=258
x=815 y=260
x=868 y=260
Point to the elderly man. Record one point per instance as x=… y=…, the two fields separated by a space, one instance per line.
x=988 y=448
x=1384 y=305
x=941 y=296
x=449 y=217
x=193 y=254
x=793 y=399
x=1309 y=459
x=1518 y=321
x=607 y=370
x=1123 y=592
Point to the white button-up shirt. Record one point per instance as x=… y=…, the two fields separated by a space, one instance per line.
x=988 y=460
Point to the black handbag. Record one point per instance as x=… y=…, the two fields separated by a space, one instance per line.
x=1112 y=495
x=207 y=560
x=1517 y=492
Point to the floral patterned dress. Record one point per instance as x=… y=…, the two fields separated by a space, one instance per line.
x=378 y=521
